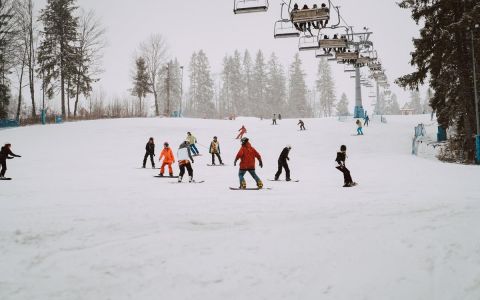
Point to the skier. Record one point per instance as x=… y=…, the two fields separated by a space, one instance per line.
x=247 y=155
x=367 y=120
x=5 y=154
x=360 y=127
x=149 y=151
x=168 y=159
x=242 y=130
x=215 y=150
x=185 y=161
x=192 y=141
x=302 y=125
x=274 y=120
x=341 y=157
x=282 y=163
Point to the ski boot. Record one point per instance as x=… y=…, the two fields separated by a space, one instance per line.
x=276 y=178
x=288 y=179
x=171 y=174
x=161 y=174
x=180 y=178
x=243 y=184
x=260 y=184
x=190 y=179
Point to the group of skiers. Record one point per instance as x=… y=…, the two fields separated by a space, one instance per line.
x=247 y=155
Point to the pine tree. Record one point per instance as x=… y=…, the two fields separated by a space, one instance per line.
x=226 y=99
x=392 y=106
x=426 y=103
x=276 y=91
x=443 y=54
x=7 y=53
x=201 y=87
x=259 y=77
x=297 y=98
x=415 y=102
x=58 y=54
x=326 y=87
x=169 y=87
x=248 y=100
x=141 y=86
x=342 y=106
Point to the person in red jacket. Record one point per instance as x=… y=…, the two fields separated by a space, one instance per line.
x=247 y=155
x=242 y=130
x=168 y=159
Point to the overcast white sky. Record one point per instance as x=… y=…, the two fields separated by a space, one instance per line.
x=190 y=25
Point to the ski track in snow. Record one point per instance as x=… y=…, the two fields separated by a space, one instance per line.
x=78 y=221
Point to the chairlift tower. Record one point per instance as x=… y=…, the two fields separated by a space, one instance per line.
x=362 y=43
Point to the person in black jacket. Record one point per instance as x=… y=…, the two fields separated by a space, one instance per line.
x=149 y=151
x=341 y=157
x=6 y=153
x=302 y=125
x=282 y=163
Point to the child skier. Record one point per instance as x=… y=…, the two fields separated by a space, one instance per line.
x=247 y=155
x=168 y=159
x=215 y=150
x=149 y=151
x=5 y=154
x=360 y=127
x=282 y=163
x=242 y=130
x=341 y=157
x=185 y=161
x=192 y=141
x=302 y=125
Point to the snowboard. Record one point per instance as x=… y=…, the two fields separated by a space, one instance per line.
x=224 y=165
x=148 y=168
x=353 y=184
x=195 y=155
x=249 y=189
x=176 y=182
x=6 y=178
x=293 y=180
x=167 y=176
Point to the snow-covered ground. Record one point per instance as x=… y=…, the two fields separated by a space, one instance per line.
x=80 y=220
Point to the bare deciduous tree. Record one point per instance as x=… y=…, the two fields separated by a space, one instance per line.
x=154 y=51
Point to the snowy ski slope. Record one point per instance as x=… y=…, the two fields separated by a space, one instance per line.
x=80 y=220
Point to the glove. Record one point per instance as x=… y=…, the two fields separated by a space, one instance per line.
x=288 y=158
x=192 y=161
x=235 y=163
x=261 y=164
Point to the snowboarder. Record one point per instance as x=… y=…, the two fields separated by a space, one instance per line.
x=279 y=117
x=341 y=157
x=360 y=127
x=242 y=130
x=282 y=163
x=274 y=120
x=302 y=125
x=149 y=151
x=168 y=159
x=247 y=155
x=185 y=161
x=367 y=120
x=215 y=150
x=192 y=141
x=6 y=153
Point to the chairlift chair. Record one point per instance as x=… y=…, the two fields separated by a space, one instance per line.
x=308 y=43
x=310 y=15
x=333 y=43
x=322 y=54
x=249 y=6
x=285 y=29
x=346 y=55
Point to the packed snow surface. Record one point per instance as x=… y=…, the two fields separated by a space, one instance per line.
x=82 y=220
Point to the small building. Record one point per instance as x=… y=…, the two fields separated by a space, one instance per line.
x=407 y=110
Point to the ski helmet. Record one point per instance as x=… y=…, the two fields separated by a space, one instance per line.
x=165 y=144
x=244 y=140
x=343 y=148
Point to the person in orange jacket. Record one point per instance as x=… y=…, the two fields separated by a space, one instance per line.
x=168 y=159
x=247 y=155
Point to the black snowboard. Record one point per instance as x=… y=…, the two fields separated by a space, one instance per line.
x=353 y=185
x=5 y=178
x=149 y=168
x=224 y=165
x=285 y=180
x=176 y=182
x=158 y=176
x=249 y=189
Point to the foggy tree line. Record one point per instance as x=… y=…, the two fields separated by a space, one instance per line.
x=57 y=53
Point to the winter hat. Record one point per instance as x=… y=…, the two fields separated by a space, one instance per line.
x=289 y=146
x=165 y=144
x=343 y=148
x=214 y=137
x=244 y=140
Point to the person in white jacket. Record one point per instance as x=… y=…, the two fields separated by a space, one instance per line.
x=185 y=161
